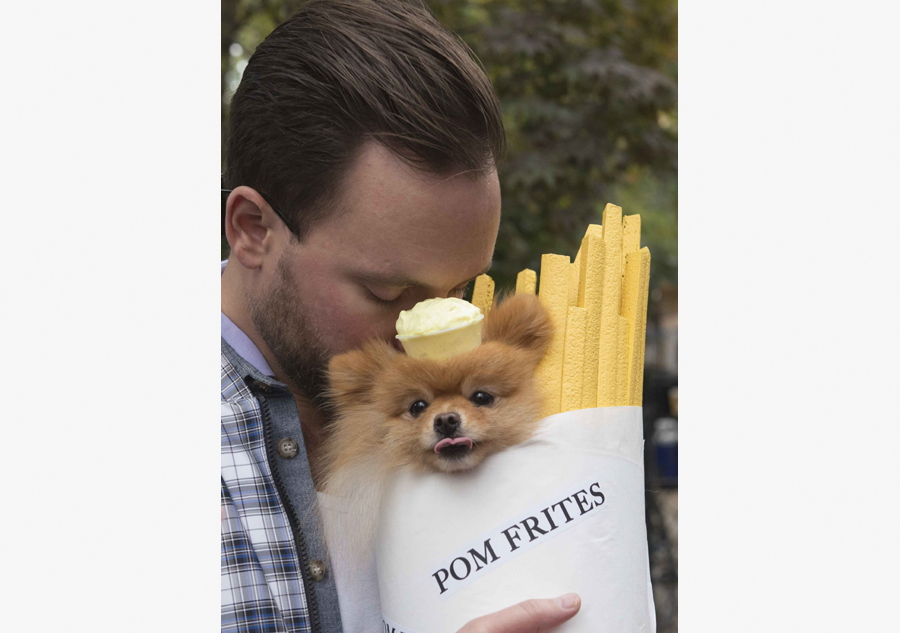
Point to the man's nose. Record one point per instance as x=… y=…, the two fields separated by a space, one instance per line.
x=447 y=424
x=429 y=293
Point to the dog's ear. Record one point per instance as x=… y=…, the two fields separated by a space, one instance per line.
x=353 y=374
x=520 y=321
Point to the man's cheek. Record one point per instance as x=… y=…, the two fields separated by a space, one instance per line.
x=361 y=328
x=348 y=327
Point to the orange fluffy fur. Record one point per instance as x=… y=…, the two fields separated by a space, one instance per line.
x=374 y=433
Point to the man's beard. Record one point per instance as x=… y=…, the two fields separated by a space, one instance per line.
x=282 y=322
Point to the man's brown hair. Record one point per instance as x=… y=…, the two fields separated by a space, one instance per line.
x=341 y=73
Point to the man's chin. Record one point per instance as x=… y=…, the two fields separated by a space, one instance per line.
x=307 y=376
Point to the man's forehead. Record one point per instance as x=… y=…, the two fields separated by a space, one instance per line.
x=415 y=279
x=402 y=228
x=386 y=188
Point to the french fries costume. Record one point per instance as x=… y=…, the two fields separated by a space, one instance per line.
x=563 y=511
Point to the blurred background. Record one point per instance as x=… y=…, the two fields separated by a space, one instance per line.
x=589 y=96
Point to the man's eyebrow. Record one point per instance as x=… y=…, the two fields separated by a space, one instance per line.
x=404 y=281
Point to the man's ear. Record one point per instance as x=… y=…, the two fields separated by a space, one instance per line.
x=250 y=225
x=520 y=321
x=352 y=375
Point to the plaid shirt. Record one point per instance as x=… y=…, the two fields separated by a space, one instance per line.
x=262 y=585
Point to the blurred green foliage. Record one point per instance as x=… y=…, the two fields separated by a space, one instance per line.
x=588 y=89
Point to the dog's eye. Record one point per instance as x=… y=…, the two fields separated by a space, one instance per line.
x=482 y=398
x=417 y=407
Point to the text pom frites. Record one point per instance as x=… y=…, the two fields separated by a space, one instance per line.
x=598 y=304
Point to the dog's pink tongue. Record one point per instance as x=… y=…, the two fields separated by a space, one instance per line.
x=447 y=441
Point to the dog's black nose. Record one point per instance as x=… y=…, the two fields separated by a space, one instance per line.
x=446 y=424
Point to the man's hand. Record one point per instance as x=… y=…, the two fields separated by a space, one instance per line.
x=531 y=616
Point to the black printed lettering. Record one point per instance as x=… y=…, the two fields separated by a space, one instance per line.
x=453 y=570
x=440 y=581
x=531 y=529
x=562 y=506
x=597 y=494
x=547 y=514
x=478 y=557
x=512 y=546
x=583 y=504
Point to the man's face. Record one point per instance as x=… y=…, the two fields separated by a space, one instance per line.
x=398 y=237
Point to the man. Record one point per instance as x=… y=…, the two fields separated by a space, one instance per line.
x=362 y=161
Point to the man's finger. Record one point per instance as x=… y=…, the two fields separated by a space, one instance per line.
x=531 y=616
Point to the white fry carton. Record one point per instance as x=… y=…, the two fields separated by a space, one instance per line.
x=561 y=512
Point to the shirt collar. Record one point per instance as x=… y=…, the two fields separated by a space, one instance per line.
x=241 y=343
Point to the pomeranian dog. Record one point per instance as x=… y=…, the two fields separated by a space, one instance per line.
x=392 y=412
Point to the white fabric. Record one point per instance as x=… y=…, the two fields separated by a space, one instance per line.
x=356 y=581
x=598 y=547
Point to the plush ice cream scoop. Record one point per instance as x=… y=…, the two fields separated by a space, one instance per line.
x=440 y=328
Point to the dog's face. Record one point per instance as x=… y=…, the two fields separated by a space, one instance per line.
x=447 y=415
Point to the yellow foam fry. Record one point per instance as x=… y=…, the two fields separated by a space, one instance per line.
x=632 y=343
x=631 y=243
x=631 y=298
x=593 y=294
x=483 y=294
x=636 y=379
x=611 y=303
x=622 y=362
x=573 y=360
x=574 y=274
x=631 y=234
x=526 y=282
x=553 y=293
x=582 y=257
x=575 y=279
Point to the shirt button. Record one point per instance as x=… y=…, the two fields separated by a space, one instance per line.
x=317 y=570
x=288 y=448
